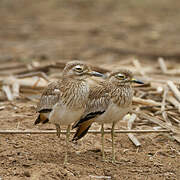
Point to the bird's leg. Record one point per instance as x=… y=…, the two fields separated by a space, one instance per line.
x=58 y=129
x=102 y=141
x=67 y=143
x=112 y=136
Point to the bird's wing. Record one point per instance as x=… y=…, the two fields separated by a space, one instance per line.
x=97 y=104
x=98 y=99
x=49 y=97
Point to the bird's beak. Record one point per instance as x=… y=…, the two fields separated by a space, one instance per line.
x=94 y=73
x=136 y=81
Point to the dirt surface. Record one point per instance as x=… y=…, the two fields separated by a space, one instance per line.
x=100 y=32
x=41 y=156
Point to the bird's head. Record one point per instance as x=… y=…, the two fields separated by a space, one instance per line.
x=79 y=70
x=123 y=77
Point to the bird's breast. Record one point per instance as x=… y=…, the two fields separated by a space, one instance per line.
x=113 y=113
x=63 y=115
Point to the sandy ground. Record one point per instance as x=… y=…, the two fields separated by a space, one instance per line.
x=101 y=32
x=41 y=156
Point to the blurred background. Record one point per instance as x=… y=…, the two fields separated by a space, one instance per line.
x=97 y=31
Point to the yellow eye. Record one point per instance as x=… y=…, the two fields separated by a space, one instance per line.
x=120 y=76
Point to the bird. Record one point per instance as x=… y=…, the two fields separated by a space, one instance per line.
x=63 y=102
x=108 y=102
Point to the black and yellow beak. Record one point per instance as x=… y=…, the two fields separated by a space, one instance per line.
x=94 y=73
x=136 y=81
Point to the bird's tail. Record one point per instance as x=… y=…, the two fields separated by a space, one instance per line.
x=41 y=119
x=84 y=124
x=82 y=129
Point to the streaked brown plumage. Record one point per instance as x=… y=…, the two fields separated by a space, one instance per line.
x=63 y=102
x=113 y=98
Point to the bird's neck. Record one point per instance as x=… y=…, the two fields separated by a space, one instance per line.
x=122 y=95
x=75 y=92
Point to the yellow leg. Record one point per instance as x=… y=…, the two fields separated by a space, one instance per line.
x=112 y=136
x=102 y=141
x=67 y=143
x=58 y=129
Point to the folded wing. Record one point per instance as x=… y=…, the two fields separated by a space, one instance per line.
x=49 y=98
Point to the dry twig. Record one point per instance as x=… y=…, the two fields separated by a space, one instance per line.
x=8 y=92
x=131 y=120
x=173 y=101
x=138 y=67
x=147 y=102
x=162 y=65
x=164 y=99
x=32 y=74
x=174 y=89
x=90 y=131
x=15 y=89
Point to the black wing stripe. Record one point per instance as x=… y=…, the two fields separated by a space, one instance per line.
x=87 y=117
x=38 y=120
x=45 y=110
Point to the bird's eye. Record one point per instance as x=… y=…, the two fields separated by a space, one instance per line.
x=120 y=76
x=78 y=68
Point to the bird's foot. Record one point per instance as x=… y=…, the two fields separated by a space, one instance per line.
x=114 y=161
x=104 y=159
x=65 y=163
